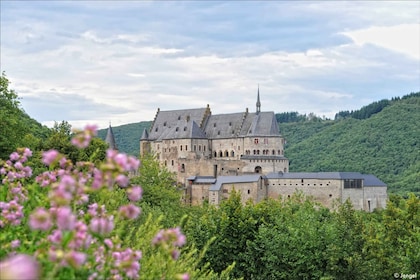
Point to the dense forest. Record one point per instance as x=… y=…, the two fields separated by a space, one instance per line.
x=53 y=196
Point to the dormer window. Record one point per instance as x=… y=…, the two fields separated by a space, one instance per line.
x=214 y=125
x=179 y=117
x=156 y=129
x=185 y=128
x=164 y=124
x=176 y=129
x=230 y=123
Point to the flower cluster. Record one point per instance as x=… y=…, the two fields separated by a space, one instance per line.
x=19 y=266
x=121 y=262
x=14 y=172
x=83 y=138
x=73 y=226
x=170 y=239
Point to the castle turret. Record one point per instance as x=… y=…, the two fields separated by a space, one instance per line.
x=110 y=139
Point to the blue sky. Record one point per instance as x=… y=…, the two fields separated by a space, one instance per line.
x=94 y=62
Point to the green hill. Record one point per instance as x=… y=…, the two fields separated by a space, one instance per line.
x=127 y=137
x=380 y=138
x=384 y=144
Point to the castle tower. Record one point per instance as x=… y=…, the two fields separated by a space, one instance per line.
x=258 y=101
x=110 y=139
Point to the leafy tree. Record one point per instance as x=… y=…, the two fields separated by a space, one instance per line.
x=11 y=126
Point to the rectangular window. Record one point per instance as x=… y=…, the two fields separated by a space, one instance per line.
x=353 y=183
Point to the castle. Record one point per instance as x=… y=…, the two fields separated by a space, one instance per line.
x=212 y=155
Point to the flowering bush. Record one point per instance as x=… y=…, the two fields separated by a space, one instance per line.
x=57 y=226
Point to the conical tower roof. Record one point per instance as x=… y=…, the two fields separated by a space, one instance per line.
x=110 y=139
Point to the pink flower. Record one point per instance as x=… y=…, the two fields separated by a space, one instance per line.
x=14 y=156
x=15 y=243
x=19 y=267
x=175 y=254
x=170 y=236
x=66 y=220
x=135 y=193
x=102 y=225
x=93 y=209
x=75 y=259
x=55 y=237
x=27 y=152
x=129 y=211
x=184 y=276
x=82 y=138
x=122 y=180
x=40 y=219
x=49 y=157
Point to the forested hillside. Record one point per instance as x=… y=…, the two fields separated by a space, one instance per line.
x=384 y=144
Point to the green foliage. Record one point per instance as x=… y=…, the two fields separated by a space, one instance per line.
x=295 y=238
x=17 y=129
x=160 y=193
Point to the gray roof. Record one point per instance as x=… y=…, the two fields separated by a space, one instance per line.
x=175 y=123
x=224 y=125
x=202 y=179
x=145 y=135
x=368 y=179
x=199 y=123
x=263 y=124
x=233 y=179
x=372 y=181
x=110 y=139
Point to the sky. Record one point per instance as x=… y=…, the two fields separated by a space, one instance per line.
x=102 y=62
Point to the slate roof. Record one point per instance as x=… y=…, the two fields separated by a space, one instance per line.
x=177 y=124
x=145 y=135
x=183 y=124
x=110 y=139
x=224 y=125
x=232 y=180
x=202 y=179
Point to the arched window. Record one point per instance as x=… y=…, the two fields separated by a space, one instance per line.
x=274 y=152
x=258 y=169
x=220 y=154
x=232 y=153
x=215 y=154
x=226 y=154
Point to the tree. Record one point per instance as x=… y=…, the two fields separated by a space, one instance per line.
x=11 y=126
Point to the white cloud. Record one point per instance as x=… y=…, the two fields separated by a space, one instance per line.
x=403 y=38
